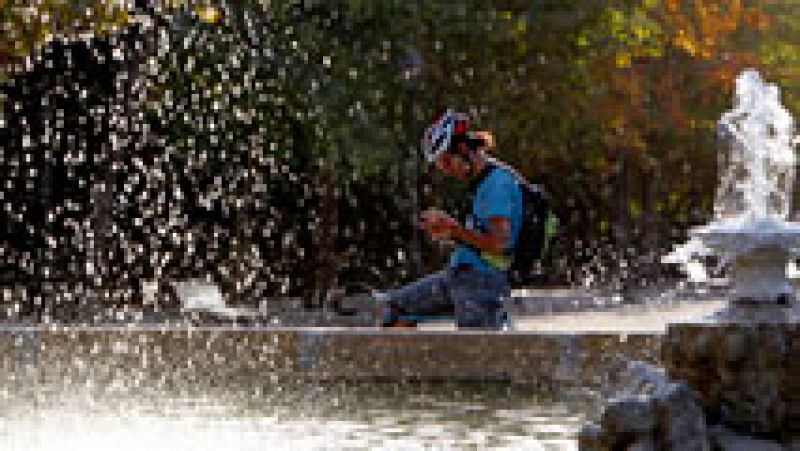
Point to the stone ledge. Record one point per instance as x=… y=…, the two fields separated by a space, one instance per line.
x=234 y=354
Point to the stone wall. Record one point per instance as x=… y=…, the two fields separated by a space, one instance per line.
x=747 y=376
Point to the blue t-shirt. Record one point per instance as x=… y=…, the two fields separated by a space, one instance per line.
x=498 y=195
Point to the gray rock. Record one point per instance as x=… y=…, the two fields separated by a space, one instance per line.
x=651 y=412
x=629 y=415
x=591 y=438
x=643 y=444
x=680 y=418
x=736 y=348
x=726 y=440
x=644 y=378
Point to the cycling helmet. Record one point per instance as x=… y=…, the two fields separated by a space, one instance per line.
x=439 y=136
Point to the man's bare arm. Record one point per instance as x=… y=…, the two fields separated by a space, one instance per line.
x=495 y=241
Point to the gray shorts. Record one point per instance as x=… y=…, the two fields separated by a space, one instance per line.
x=475 y=296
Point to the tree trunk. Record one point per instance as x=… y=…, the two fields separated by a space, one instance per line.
x=121 y=117
x=622 y=223
x=622 y=205
x=326 y=262
x=651 y=185
x=415 y=246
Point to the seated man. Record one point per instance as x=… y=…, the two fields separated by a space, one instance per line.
x=475 y=282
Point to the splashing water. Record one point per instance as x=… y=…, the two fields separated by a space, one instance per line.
x=757 y=172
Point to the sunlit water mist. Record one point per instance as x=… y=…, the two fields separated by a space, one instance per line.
x=377 y=416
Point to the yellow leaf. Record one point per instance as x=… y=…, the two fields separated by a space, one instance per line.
x=209 y=14
x=623 y=60
x=641 y=33
x=686 y=43
x=521 y=27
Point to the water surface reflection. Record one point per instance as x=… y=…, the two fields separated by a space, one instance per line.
x=304 y=416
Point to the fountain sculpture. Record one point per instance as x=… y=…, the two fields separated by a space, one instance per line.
x=752 y=231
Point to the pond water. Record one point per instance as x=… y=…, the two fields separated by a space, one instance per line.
x=306 y=416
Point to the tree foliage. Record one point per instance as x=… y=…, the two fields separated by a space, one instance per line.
x=284 y=121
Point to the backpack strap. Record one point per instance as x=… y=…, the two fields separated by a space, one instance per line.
x=520 y=178
x=483 y=175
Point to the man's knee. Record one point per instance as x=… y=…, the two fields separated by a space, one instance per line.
x=486 y=317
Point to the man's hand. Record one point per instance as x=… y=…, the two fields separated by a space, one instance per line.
x=442 y=226
x=439 y=225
